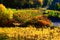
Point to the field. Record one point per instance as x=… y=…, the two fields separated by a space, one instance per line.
x=29 y=33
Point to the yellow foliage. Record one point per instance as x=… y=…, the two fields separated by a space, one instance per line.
x=2 y=8
x=31 y=32
x=10 y=14
x=31 y=2
x=46 y=31
x=41 y=1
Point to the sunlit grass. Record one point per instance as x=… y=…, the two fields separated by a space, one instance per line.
x=32 y=33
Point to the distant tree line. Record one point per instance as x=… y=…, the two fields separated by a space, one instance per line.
x=21 y=3
x=55 y=5
x=52 y=4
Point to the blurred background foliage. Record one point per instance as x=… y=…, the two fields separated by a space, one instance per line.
x=49 y=4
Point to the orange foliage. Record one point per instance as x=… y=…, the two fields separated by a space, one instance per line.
x=43 y=20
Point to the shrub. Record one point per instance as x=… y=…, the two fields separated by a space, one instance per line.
x=2 y=8
x=6 y=16
x=40 y=21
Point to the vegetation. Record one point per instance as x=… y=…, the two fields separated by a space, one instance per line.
x=10 y=16
x=28 y=24
x=58 y=6
x=30 y=33
x=22 y=3
x=49 y=4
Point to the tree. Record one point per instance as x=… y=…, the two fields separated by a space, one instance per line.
x=41 y=2
x=22 y=3
x=58 y=6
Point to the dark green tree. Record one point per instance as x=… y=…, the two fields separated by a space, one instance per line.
x=21 y=3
